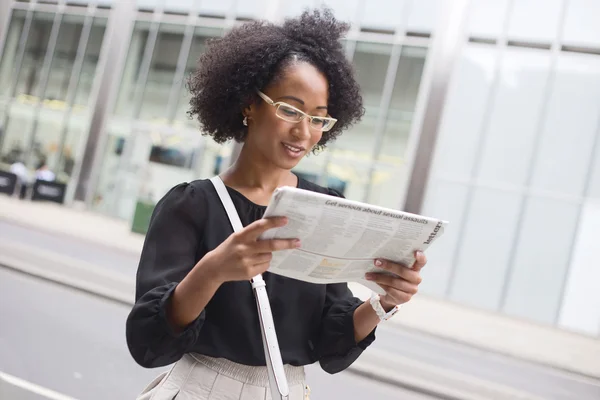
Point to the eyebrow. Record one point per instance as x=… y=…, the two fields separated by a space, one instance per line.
x=300 y=101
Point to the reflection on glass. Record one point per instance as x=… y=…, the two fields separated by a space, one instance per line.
x=17 y=124
x=371 y=62
x=64 y=58
x=201 y=36
x=344 y=10
x=124 y=105
x=402 y=104
x=9 y=54
x=216 y=8
x=382 y=14
x=162 y=71
x=28 y=80
x=90 y=62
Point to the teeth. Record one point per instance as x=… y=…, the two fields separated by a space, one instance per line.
x=294 y=149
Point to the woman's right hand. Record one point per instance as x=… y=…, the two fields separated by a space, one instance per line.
x=243 y=256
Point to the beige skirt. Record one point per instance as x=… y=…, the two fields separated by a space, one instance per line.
x=198 y=377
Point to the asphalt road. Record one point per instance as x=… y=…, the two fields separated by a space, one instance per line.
x=74 y=343
x=67 y=340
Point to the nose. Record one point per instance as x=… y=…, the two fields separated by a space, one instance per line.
x=301 y=130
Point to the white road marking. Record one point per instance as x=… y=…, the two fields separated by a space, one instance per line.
x=33 y=388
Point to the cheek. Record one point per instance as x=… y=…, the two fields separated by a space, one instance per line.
x=315 y=137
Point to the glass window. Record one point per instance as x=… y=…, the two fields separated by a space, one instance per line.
x=570 y=126
x=371 y=63
x=382 y=14
x=482 y=263
x=90 y=62
x=594 y=190
x=581 y=25
x=466 y=102
x=514 y=119
x=580 y=309
x=9 y=53
x=124 y=105
x=389 y=181
x=424 y=15
x=64 y=59
x=28 y=80
x=162 y=72
x=255 y=9
x=344 y=10
x=541 y=260
x=217 y=8
x=535 y=20
x=294 y=8
x=486 y=18
x=402 y=104
x=201 y=36
x=17 y=124
x=444 y=200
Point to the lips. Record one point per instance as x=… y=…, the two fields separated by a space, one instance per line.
x=292 y=148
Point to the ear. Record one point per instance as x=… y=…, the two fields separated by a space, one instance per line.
x=248 y=111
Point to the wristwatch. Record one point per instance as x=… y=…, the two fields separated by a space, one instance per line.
x=376 y=304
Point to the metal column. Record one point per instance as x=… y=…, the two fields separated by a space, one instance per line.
x=106 y=85
x=447 y=41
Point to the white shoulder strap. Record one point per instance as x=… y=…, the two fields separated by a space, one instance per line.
x=277 y=378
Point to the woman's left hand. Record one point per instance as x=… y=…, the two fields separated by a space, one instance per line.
x=398 y=289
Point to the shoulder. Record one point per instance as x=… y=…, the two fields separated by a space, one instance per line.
x=307 y=185
x=185 y=198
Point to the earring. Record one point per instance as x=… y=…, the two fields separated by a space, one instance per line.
x=245 y=121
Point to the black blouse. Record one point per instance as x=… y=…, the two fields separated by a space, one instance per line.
x=313 y=322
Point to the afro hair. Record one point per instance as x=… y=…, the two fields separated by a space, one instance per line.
x=255 y=54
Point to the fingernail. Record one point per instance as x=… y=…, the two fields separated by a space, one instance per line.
x=368 y=277
x=378 y=263
x=297 y=243
x=419 y=253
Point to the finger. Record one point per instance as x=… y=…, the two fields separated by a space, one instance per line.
x=394 y=295
x=255 y=229
x=410 y=275
x=271 y=245
x=393 y=282
x=420 y=261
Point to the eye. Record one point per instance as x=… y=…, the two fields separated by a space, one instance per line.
x=288 y=112
x=319 y=122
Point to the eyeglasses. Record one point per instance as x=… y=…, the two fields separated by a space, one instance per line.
x=291 y=114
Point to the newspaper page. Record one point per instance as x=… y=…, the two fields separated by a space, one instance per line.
x=340 y=238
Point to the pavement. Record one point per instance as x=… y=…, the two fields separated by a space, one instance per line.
x=436 y=348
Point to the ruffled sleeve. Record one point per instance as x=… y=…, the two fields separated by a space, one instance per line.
x=337 y=347
x=169 y=253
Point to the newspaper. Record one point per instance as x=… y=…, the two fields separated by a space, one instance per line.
x=340 y=238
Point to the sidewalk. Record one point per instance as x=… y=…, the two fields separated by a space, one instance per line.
x=487 y=331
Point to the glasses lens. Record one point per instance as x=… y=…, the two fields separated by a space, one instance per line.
x=288 y=113
x=322 y=124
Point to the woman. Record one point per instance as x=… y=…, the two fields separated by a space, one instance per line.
x=276 y=89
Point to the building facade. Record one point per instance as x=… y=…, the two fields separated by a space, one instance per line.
x=484 y=113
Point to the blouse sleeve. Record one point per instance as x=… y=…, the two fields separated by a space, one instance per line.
x=337 y=347
x=168 y=254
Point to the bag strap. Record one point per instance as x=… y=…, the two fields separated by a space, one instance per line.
x=277 y=378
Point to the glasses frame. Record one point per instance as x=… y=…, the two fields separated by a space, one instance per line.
x=304 y=115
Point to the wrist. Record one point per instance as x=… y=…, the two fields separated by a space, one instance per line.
x=209 y=266
x=387 y=306
x=383 y=311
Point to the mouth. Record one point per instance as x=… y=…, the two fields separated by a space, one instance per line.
x=293 y=150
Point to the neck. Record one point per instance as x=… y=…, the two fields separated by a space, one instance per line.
x=252 y=173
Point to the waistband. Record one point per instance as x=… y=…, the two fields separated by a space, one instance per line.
x=253 y=375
